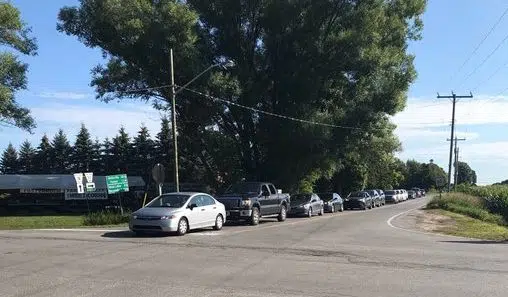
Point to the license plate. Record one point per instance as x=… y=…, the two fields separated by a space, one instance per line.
x=228 y=213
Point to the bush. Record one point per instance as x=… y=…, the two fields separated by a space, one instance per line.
x=105 y=218
x=468 y=205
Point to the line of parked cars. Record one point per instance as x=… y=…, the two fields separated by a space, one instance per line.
x=249 y=201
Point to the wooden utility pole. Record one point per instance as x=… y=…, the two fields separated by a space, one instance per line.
x=454 y=98
x=456 y=159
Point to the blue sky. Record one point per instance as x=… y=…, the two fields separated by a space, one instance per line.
x=60 y=97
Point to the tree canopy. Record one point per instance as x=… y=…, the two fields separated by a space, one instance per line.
x=465 y=174
x=344 y=63
x=15 y=36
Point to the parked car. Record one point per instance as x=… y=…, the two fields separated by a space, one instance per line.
x=382 y=196
x=306 y=204
x=332 y=202
x=423 y=193
x=360 y=199
x=252 y=200
x=376 y=199
x=391 y=196
x=403 y=194
x=412 y=194
x=178 y=212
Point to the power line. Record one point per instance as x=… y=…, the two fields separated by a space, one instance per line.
x=480 y=43
x=228 y=102
x=484 y=60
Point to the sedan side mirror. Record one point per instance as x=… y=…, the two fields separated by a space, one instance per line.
x=192 y=206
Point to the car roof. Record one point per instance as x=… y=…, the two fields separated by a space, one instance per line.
x=186 y=193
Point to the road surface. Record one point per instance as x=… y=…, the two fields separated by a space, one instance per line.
x=355 y=253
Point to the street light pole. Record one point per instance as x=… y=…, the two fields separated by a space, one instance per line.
x=224 y=64
x=173 y=116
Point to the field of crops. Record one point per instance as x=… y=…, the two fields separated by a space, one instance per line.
x=495 y=198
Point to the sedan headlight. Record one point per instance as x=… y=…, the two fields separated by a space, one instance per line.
x=246 y=202
x=134 y=217
x=306 y=205
x=168 y=217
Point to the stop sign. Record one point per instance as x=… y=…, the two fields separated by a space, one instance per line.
x=158 y=173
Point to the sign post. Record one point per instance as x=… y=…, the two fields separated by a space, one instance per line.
x=158 y=175
x=117 y=184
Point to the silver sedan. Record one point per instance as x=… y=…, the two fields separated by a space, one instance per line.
x=179 y=212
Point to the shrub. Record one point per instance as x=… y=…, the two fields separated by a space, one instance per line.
x=105 y=218
x=468 y=205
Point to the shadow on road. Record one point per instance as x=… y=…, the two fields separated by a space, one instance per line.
x=130 y=234
x=477 y=241
x=246 y=223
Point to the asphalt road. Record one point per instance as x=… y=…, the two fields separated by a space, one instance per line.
x=355 y=253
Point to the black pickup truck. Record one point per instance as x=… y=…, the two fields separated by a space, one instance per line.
x=253 y=200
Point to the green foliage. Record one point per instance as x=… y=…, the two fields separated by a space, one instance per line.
x=60 y=153
x=423 y=175
x=318 y=60
x=471 y=206
x=14 y=34
x=27 y=155
x=495 y=197
x=82 y=151
x=143 y=153
x=121 y=150
x=465 y=174
x=103 y=218
x=43 y=160
x=9 y=164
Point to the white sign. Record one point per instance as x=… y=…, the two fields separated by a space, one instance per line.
x=79 y=178
x=90 y=187
x=99 y=194
x=81 y=189
x=89 y=177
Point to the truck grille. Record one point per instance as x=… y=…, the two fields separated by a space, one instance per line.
x=230 y=203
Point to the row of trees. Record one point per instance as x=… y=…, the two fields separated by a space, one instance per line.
x=122 y=153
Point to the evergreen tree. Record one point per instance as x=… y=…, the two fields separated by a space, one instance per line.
x=27 y=158
x=61 y=153
x=106 y=159
x=121 y=150
x=163 y=146
x=96 y=162
x=143 y=153
x=43 y=156
x=82 y=151
x=9 y=164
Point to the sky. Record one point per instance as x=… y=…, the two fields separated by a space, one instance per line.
x=59 y=94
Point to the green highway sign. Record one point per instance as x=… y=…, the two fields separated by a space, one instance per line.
x=117 y=183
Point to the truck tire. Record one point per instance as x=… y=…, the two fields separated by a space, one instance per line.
x=254 y=218
x=282 y=214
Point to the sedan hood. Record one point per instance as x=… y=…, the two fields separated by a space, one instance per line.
x=155 y=211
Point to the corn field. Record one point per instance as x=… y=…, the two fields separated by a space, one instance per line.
x=495 y=198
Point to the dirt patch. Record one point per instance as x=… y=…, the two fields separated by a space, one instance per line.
x=430 y=221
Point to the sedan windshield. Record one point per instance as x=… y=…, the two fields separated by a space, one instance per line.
x=326 y=196
x=356 y=195
x=390 y=192
x=241 y=188
x=171 y=201
x=300 y=198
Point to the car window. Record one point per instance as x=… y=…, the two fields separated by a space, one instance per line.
x=207 y=200
x=264 y=188
x=272 y=189
x=198 y=200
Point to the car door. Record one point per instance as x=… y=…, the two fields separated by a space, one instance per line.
x=211 y=210
x=196 y=216
x=264 y=200
x=339 y=199
x=315 y=204
x=274 y=200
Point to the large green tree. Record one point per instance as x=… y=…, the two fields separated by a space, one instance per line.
x=27 y=157
x=43 y=158
x=465 y=174
x=143 y=154
x=14 y=34
x=61 y=154
x=9 y=163
x=321 y=61
x=82 y=153
x=121 y=152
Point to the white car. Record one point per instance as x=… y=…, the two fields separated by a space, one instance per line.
x=179 y=212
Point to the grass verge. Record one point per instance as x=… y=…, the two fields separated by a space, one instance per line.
x=464 y=226
x=100 y=219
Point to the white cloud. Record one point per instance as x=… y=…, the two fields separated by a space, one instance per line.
x=429 y=113
x=64 y=95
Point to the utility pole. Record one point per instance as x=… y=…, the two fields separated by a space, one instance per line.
x=456 y=159
x=454 y=98
x=173 y=117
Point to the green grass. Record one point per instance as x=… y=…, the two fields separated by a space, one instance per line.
x=465 y=226
x=40 y=222
x=474 y=207
x=100 y=219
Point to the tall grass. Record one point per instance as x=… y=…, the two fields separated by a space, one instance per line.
x=105 y=218
x=495 y=198
x=472 y=206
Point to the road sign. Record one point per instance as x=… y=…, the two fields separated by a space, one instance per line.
x=90 y=187
x=117 y=183
x=79 y=178
x=158 y=173
x=89 y=177
x=81 y=189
